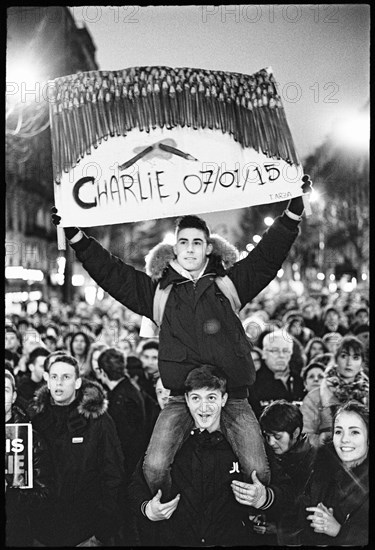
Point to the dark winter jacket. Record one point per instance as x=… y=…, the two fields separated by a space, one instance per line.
x=88 y=466
x=267 y=388
x=346 y=491
x=26 y=390
x=199 y=325
x=25 y=507
x=127 y=408
x=207 y=514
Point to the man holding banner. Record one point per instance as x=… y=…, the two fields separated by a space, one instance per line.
x=199 y=327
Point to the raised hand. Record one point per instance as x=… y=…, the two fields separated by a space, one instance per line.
x=70 y=232
x=156 y=511
x=296 y=205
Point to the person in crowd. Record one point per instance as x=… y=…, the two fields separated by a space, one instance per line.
x=148 y=354
x=79 y=348
x=310 y=316
x=312 y=375
x=315 y=346
x=331 y=322
x=342 y=381
x=12 y=360
x=125 y=406
x=162 y=393
x=328 y=359
x=332 y=341
x=71 y=415
x=290 y=452
x=13 y=339
x=203 y=511
x=28 y=385
x=24 y=507
x=295 y=326
x=199 y=325
x=92 y=369
x=125 y=344
x=257 y=355
x=274 y=379
x=254 y=326
x=362 y=332
x=335 y=505
x=361 y=317
x=50 y=342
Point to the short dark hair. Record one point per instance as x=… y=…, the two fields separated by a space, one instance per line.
x=281 y=416
x=350 y=343
x=187 y=222
x=112 y=362
x=59 y=356
x=150 y=344
x=37 y=352
x=207 y=376
x=353 y=406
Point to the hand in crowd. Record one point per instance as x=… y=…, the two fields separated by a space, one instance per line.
x=250 y=494
x=322 y=520
x=156 y=511
x=70 y=232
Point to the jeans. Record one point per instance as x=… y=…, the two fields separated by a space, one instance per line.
x=172 y=428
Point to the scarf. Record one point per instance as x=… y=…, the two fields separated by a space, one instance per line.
x=358 y=389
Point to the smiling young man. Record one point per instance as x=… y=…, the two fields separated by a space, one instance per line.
x=70 y=413
x=204 y=511
x=199 y=325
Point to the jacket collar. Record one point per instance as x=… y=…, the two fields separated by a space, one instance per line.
x=91 y=400
x=174 y=273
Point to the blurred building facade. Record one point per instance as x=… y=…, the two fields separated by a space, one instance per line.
x=42 y=44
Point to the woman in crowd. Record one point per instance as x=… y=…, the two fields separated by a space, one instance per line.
x=79 y=349
x=342 y=381
x=91 y=364
x=336 y=498
x=314 y=347
x=312 y=375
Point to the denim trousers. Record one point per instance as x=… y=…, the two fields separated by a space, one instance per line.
x=173 y=426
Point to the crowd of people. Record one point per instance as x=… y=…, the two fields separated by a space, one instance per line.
x=230 y=417
x=302 y=378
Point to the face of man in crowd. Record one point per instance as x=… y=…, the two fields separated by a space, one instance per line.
x=37 y=369
x=349 y=363
x=362 y=317
x=63 y=383
x=11 y=341
x=162 y=393
x=10 y=397
x=205 y=407
x=350 y=438
x=149 y=359
x=313 y=379
x=192 y=250
x=277 y=352
x=281 y=442
x=332 y=321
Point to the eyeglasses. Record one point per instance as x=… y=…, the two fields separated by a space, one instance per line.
x=276 y=351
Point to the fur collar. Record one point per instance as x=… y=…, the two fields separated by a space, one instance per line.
x=157 y=260
x=92 y=401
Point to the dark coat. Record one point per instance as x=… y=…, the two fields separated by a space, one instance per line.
x=267 y=388
x=199 y=325
x=127 y=408
x=207 y=514
x=87 y=462
x=25 y=507
x=346 y=491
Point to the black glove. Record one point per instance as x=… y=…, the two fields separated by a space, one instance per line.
x=296 y=205
x=70 y=232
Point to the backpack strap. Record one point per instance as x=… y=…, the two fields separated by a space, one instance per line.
x=227 y=287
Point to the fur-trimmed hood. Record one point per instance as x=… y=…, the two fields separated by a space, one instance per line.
x=159 y=257
x=92 y=400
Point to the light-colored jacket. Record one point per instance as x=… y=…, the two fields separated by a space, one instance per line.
x=317 y=413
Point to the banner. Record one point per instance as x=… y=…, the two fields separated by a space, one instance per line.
x=153 y=142
x=19 y=455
